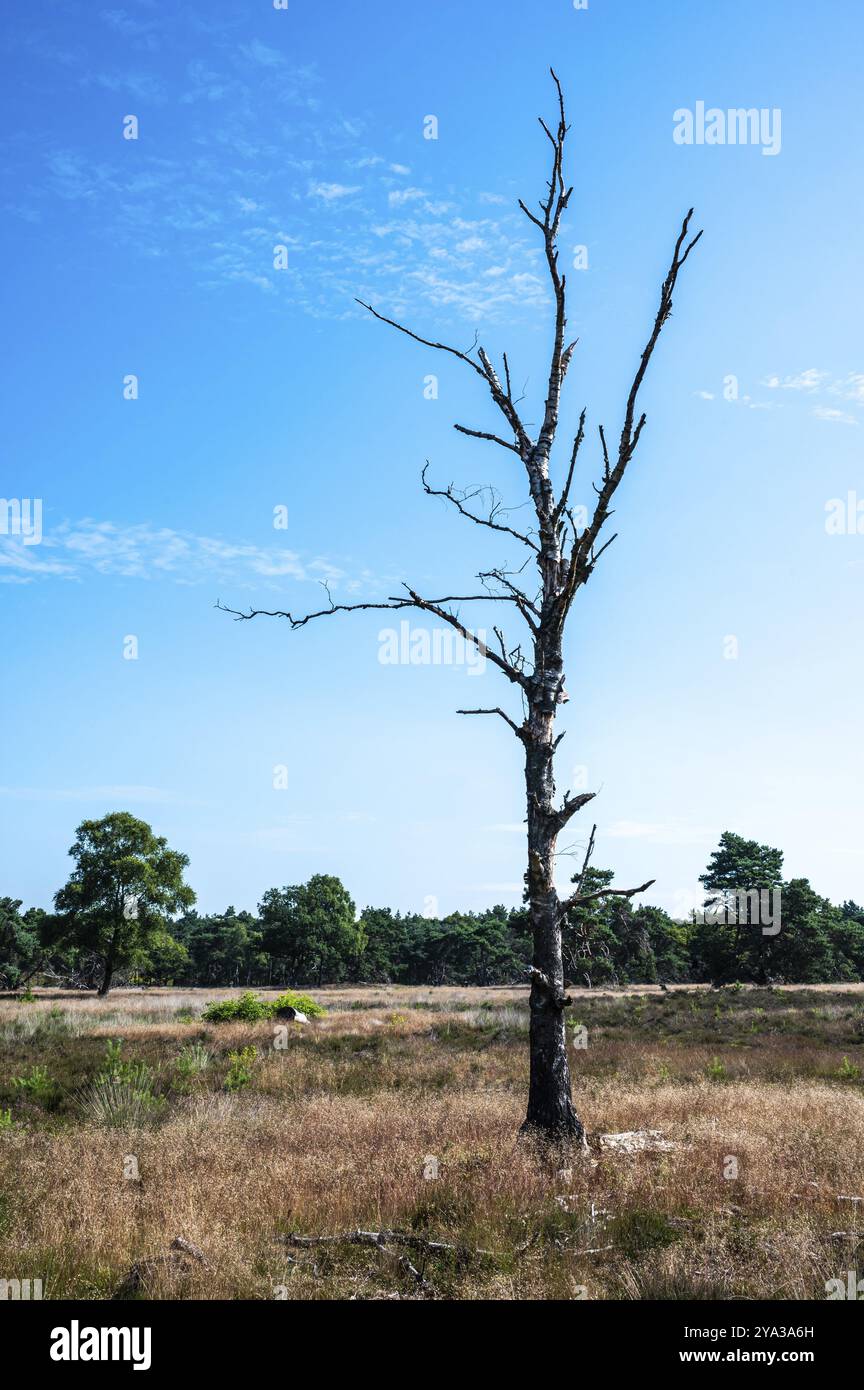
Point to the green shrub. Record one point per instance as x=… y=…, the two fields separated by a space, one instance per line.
x=716 y=1070
x=240 y=1068
x=135 y=1074
x=848 y=1071
x=248 y=1008
x=290 y=999
x=5 y=1119
x=38 y=1084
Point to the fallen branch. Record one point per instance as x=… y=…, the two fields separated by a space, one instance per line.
x=143 y=1272
x=381 y=1239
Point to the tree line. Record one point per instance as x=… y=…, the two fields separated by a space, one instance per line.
x=126 y=915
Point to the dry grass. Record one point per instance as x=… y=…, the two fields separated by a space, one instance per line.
x=332 y=1132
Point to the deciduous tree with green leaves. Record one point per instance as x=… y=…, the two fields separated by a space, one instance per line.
x=311 y=928
x=126 y=886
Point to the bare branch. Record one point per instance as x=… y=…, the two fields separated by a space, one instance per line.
x=484 y=370
x=565 y=494
x=529 y=610
x=587 y=860
x=519 y=730
x=577 y=899
x=240 y=616
x=463 y=1253
x=552 y=209
x=512 y=672
x=426 y=342
x=483 y=434
x=582 y=559
x=571 y=805
x=458 y=503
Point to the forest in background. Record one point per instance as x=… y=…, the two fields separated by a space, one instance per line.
x=312 y=933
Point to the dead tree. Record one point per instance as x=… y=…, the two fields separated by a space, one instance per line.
x=565 y=558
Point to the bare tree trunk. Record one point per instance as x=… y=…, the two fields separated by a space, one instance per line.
x=550 y=1108
x=565 y=558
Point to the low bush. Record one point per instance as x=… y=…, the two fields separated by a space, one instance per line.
x=246 y=1008
x=240 y=1066
x=249 y=1008
x=302 y=1002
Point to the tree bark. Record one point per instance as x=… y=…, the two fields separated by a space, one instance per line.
x=110 y=963
x=550 y=1111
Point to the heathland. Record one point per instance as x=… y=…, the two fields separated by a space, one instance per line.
x=131 y=1121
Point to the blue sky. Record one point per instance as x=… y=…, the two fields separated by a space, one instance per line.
x=262 y=388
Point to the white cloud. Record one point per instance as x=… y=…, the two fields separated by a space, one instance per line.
x=117 y=794
x=399 y=196
x=495 y=888
x=73 y=550
x=287 y=167
x=810 y=380
x=258 y=52
x=660 y=832
x=839 y=417
x=329 y=191
x=852 y=388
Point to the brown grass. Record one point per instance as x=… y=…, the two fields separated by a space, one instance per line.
x=333 y=1131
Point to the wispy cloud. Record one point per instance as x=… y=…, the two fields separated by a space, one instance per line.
x=119 y=794
x=809 y=380
x=329 y=191
x=660 y=832
x=811 y=383
x=851 y=388
x=817 y=382
x=258 y=162
x=507 y=888
x=71 y=551
x=141 y=33
x=839 y=417
x=262 y=54
x=399 y=196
